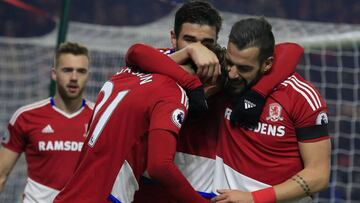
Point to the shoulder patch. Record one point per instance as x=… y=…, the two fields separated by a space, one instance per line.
x=178 y=117
x=322 y=119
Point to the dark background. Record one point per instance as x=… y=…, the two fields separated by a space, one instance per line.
x=16 y=22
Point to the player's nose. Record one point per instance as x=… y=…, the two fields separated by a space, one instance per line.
x=233 y=72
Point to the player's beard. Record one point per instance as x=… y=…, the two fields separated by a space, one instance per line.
x=68 y=96
x=237 y=87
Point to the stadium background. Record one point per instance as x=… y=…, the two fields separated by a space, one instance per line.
x=329 y=31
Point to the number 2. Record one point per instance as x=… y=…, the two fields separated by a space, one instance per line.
x=107 y=90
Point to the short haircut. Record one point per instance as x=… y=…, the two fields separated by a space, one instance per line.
x=256 y=32
x=198 y=12
x=71 y=48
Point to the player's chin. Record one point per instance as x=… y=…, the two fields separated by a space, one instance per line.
x=73 y=94
x=234 y=90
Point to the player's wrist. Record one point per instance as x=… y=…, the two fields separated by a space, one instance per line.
x=266 y=195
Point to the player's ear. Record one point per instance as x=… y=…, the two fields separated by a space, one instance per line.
x=268 y=64
x=173 y=38
x=53 y=73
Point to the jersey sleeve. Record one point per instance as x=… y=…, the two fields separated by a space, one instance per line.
x=310 y=111
x=169 y=109
x=15 y=140
x=161 y=167
x=152 y=60
x=287 y=56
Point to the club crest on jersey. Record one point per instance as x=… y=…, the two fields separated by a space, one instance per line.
x=178 y=117
x=275 y=112
x=322 y=119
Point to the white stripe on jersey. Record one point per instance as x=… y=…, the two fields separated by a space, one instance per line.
x=68 y=115
x=125 y=184
x=35 y=192
x=302 y=93
x=184 y=98
x=197 y=170
x=28 y=108
x=90 y=104
x=305 y=90
x=313 y=92
x=228 y=178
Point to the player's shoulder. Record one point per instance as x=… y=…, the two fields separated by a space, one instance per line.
x=165 y=81
x=35 y=106
x=299 y=90
x=89 y=104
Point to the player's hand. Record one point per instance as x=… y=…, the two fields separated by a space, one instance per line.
x=247 y=110
x=232 y=196
x=197 y=102
x=208 y=66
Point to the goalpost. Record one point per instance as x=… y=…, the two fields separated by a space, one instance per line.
x=331 y=62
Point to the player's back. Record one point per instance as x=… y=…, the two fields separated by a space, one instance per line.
x=114 y=154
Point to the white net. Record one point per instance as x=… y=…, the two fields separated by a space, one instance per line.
x=331 y=62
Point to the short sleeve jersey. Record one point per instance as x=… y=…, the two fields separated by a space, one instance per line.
x=251 y=159
x=51 y=140
x=114 y=157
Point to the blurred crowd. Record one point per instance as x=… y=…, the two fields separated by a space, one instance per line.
x=18 y=22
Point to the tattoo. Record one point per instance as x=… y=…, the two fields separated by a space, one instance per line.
x=303 y=184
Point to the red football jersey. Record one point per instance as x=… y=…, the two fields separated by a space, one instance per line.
x=114 y=157
x=52 y=141
x=196 y=149
x=251 y=159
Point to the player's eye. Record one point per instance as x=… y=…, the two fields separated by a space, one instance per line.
x=67 y=69
x=82 y=70
x=244 y=69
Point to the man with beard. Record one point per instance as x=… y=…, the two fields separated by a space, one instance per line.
x=291 y=138
x=51 y=132
x=197 y=144
x=286 y=156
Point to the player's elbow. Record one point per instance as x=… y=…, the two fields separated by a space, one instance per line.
x=3 y=179
x=320 y=182
x=323 y=182
x=158 y=170
x=134 y=51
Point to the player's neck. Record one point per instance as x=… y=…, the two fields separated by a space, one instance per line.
x=68 y=105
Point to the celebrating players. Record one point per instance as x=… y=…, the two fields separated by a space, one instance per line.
x=134 y=129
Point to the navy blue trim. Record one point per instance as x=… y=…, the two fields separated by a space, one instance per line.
x=113 y=199
x=146 y=180
x=52 y=102
x=83 y=102
x=207 y=195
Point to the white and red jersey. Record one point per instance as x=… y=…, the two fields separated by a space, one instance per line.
x=51 y=140
x=252 y=159
x=196 y=149
x=128 y=107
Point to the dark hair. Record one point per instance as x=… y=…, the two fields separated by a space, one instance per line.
x=254 y=32
x=71 y=48
x=199 y=12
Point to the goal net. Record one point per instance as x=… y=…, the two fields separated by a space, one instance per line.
x=331 y=63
